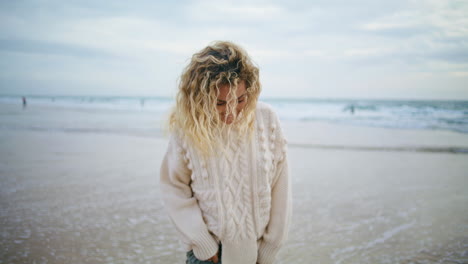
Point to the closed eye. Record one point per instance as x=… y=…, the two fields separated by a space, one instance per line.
x=240 y=99
x=223 y=103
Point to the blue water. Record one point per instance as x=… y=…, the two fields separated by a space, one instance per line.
x=125 y=113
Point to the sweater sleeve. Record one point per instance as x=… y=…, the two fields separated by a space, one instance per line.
x=281 y=209
x=175 y=178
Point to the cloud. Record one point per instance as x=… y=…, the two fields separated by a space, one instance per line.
x=44 y=47
x=222 y=11
x=294 y=41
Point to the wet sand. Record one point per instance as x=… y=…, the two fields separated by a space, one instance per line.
x=94 y=198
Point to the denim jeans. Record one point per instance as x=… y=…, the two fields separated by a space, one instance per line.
x=191 y=259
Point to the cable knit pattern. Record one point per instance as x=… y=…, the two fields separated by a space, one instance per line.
x=236 y=195
x=241 y=199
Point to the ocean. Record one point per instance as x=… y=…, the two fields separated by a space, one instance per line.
x=143 y=115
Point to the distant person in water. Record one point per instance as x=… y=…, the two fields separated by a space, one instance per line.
x=350 y=108
x=24 y=102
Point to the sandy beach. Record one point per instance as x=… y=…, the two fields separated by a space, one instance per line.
x=361 y=195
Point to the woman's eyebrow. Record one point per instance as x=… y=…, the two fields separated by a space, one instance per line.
x=222 y=101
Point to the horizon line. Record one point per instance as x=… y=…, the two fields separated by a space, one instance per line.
x=261 y=97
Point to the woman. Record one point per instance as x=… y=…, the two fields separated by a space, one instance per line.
x=224 y=178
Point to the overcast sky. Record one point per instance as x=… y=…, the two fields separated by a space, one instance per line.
x=318 y=49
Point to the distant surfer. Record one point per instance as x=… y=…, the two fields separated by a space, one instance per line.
x=24 y=102
x=350 y=108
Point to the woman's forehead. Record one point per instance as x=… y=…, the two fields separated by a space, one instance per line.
x=224 y=90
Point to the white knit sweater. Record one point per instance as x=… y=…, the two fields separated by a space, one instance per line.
x=241 y=200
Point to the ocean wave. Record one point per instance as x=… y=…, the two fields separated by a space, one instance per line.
x=444 y=115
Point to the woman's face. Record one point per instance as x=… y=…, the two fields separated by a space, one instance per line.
x=241 y=97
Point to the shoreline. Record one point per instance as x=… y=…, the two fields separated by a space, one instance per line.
x=452 y=150
x=316 y=135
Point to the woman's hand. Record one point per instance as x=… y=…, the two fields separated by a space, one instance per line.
x=214 y=258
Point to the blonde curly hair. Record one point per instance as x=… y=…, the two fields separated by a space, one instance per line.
x=195 y=114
